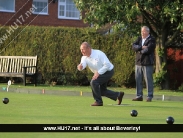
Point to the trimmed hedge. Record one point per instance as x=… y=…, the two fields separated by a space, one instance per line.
x=58 y=50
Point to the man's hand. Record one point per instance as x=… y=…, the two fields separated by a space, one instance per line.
x=80 y=66
x=144 y=47
x=95 y=76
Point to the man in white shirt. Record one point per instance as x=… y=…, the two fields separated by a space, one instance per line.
x=102 y=69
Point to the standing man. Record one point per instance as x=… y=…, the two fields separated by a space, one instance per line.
x=102 y=70
x=144 y=47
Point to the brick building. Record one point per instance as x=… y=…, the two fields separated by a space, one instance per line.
x=40 y=12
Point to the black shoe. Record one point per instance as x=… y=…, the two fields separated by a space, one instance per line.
x=148 y=100
x=97 y=104
x=120 y=97
x=137 y=99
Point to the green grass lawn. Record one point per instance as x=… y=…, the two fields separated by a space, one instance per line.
x=56 y=109
x=157 y=91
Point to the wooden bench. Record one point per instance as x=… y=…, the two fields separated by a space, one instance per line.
x=19 y=66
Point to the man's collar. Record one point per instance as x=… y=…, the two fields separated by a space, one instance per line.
x=146 y=37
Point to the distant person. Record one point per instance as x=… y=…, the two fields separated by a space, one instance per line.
x=144 y=47
x=103 y=71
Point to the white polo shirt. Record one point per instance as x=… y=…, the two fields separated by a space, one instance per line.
x=97 y=62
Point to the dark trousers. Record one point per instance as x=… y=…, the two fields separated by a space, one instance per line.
x=99 y=87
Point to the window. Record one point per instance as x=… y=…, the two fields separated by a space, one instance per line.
x=41 y=6
x=7 y=5
x=67 y=10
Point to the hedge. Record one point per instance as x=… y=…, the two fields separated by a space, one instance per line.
x=58 y=50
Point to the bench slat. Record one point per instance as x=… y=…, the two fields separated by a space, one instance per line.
x=4 y=64
x=17 y=64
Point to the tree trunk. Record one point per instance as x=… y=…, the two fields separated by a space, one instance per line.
x=158 y=64
x=167 y=79
x=161 y=57
x=158 y=61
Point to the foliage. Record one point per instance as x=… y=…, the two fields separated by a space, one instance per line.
x=59 y=54
x=181 y=88
x=125 y=61
x=159 y=77
x=57 y=49
x=165 y=19
x=155 y=12
x=175 y=68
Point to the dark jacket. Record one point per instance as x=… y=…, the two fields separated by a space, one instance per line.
x=144 y=57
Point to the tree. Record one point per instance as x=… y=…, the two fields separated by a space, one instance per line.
x=164 y=17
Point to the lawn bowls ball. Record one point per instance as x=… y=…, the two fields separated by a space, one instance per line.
x=170 y=120
x=5 y=100
x=134 y=113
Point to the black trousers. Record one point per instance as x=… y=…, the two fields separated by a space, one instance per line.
x=99 y=87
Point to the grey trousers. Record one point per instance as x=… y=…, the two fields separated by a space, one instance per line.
x=145 y=72
x=99 y=87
